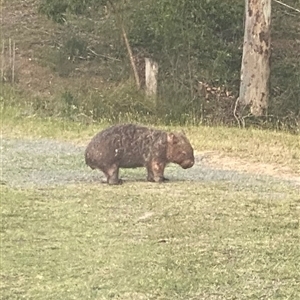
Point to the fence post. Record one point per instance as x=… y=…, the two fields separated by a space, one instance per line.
x=151 y=71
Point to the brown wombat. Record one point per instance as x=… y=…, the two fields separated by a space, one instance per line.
x=132 y=146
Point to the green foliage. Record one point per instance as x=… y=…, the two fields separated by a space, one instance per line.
x=285 y=64
x=57 y=9
x=118 y=103
x=289 y=74
x=113 y=104
x=64 y=58
x=191 y=40
x=198 y=32
x=54 y=9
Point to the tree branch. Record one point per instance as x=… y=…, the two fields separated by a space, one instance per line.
x=288 y=6
x=128 y=47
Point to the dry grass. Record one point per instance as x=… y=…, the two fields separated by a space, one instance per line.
x=249 y=150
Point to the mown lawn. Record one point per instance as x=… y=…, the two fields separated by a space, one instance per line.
x=182 y=240
x=199 y=239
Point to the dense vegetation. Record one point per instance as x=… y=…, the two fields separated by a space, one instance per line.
x=197 y=44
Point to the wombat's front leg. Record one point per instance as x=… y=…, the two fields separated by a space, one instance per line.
x=112 y=175
x=156 y=172
x=150 y=177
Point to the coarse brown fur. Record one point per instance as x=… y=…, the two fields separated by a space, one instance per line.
x=132 y=146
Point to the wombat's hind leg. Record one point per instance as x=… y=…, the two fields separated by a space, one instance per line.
x=104 y=180
x=150 y=176
x=112 y=175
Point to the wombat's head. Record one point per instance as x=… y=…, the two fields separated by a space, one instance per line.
x=180 y=151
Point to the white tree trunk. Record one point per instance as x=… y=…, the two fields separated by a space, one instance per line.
x=255 y=70
x=151 y=71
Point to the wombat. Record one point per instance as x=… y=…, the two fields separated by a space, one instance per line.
x=132 y=146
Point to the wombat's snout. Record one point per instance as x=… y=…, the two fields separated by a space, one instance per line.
x=187 y=163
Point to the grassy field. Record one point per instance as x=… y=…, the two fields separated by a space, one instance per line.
x=139 y=241
x=203 y=235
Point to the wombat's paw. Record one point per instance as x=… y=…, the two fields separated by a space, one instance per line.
x=150 y=179
x=115 y=182
x=158 y=179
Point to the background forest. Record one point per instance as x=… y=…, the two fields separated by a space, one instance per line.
x=73 y=54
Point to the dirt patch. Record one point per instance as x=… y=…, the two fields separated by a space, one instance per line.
x=224 y=162
x=45 y=162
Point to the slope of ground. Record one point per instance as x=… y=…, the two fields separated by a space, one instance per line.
x=37 y=57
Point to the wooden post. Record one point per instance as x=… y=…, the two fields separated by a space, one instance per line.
x=2 y=60
x=10 y=58
x=255 y=70
x=151 y=71
x=13 y=63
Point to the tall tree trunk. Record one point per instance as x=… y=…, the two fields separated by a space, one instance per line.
x=255 y=70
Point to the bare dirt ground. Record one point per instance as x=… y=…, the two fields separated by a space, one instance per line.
x=45 y=163
x=228 y=163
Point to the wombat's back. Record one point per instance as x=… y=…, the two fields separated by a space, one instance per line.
x=126 y=145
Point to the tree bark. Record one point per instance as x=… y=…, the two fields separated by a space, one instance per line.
x=255 y=70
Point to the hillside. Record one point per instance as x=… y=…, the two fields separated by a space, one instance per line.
x=60 y=67
x=36 y=38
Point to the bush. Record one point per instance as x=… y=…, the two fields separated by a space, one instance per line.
x=192 y=41
x=58 y=9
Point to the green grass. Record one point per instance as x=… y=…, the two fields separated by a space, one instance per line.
x=179 y=240
x=142 y=241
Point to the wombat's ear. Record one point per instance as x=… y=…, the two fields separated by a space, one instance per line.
x=172 y=138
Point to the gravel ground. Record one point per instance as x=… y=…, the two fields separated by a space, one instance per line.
x=44 y=162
